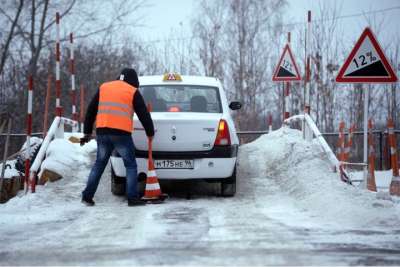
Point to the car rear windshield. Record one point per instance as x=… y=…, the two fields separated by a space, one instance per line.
x=182 y=98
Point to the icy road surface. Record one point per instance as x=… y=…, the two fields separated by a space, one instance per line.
x=289 y=210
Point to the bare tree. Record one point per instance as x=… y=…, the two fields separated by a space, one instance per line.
x=232 y=37
x=208 y=30
x=325 y=52
x=14 y=21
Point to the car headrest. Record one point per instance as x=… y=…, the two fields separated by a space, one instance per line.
x=198 y=103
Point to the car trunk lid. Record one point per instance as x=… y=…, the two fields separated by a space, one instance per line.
x=179 y=131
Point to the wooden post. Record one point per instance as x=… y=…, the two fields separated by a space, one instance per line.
x=72 y=71
x=46 y=105
x=82 y=106
x=5 y=153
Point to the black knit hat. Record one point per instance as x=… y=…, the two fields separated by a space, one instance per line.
x=129 y=76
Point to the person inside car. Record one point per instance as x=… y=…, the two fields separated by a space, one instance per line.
x=150 y=97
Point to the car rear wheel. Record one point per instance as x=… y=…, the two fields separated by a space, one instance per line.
x=118 y=184
x=228 y=186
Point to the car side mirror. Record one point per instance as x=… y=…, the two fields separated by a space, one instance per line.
x=235 y=105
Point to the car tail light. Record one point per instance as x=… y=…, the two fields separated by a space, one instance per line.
x=174 y=109
x=223 y=137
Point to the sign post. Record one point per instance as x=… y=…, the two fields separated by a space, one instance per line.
x=286 y=71
x=366 y=64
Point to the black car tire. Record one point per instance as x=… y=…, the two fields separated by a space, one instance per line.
x=228 y=186
x=118 y=184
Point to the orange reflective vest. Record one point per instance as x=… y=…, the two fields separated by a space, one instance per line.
x=116 y=106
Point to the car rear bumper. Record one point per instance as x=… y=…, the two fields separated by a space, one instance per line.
x=204 y=168
x=215 y=152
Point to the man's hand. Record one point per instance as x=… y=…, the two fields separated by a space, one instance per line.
x=86 y=138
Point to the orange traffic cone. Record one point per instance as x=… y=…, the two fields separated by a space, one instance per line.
x=371 y=185
x=152 y=193
x=395 y=184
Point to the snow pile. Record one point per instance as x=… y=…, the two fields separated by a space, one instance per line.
x=54 y=200
x=301 y=171
x=35 y=142
x=66 y=158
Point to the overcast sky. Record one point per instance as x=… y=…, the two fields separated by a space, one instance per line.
x=163 y=15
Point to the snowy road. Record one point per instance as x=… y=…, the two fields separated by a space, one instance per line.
x=278 y=217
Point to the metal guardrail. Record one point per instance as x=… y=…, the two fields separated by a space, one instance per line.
x=251 y=132
x=323 y=133
x=22 y=134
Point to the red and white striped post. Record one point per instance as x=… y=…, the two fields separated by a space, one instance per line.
x=82 y=106
x=307 y=84
x=287 y=92
x=28 y=133
x=395 y=184
x=72 y=71
x=58 y=56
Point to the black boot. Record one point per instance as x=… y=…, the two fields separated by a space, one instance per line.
x=88 y=201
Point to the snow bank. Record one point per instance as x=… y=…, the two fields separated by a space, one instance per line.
x=66 y=158
x=54 y=200
x=73 y=163
x=301 y=171
x=10 y=170
x=34 y=143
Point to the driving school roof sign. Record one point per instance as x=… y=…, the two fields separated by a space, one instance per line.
x=286 y=69
x=366 y=63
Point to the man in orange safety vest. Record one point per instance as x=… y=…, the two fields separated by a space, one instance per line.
x=112 y=108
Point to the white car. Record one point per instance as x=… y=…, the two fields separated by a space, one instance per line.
x=195 y=136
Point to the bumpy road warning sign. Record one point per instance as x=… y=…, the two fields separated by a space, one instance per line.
x=366 y=63
x=287 y=69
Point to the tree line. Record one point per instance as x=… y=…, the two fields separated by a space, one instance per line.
x=238 y=41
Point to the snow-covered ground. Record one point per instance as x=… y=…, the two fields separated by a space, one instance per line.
x=289 y=210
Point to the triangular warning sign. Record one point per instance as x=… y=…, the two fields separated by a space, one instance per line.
x=286 y=69
x=366 y=63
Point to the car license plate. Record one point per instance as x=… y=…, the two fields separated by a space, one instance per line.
x=173 y=164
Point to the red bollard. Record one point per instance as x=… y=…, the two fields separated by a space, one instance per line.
x=395 y=184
